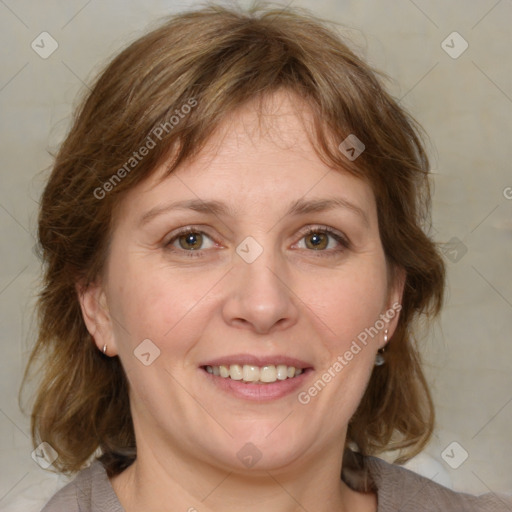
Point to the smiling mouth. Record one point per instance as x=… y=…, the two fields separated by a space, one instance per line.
x=255 y=374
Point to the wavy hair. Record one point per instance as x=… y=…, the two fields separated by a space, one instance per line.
x=222 y=58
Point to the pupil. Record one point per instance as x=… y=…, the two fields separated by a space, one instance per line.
x=191 y=241
x=317 y=240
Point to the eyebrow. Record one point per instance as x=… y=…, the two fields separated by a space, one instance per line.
x=218 y=208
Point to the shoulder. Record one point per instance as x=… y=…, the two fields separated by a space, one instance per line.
x=401 y=489
x=69 y=498
x=90 y=491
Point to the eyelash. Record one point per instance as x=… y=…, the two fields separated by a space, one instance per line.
x=310 y=231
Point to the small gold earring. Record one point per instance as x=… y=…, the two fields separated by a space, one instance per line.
x=105 y=349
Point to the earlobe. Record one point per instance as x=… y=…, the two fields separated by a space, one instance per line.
x=96 y=316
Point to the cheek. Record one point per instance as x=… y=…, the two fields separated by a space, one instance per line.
x=348 y=309
x=348 y=304
x=155 y=303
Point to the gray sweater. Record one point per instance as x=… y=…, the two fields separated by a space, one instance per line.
x=398 y=490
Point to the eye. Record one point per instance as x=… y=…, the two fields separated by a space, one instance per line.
x=324 y=240
x=189 y=240
x=192 y=242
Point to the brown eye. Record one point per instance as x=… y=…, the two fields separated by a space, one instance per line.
x=191 y=241
x=317 y=241
x=324 y=241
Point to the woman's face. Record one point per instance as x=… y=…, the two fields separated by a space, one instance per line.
x=245 y=288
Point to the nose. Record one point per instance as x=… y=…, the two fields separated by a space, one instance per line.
x=260 y=296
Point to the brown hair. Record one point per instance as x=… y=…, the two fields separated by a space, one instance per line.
x=215 y=60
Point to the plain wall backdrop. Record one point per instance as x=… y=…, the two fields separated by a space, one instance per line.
x=461 y=95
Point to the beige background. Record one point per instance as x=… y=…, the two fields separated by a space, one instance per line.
x=464 y=103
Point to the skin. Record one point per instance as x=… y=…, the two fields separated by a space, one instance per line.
x=293 y=299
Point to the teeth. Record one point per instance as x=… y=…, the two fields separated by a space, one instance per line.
x=251 y=373
x=268 y=374
x=235 y=372
x=282 y=371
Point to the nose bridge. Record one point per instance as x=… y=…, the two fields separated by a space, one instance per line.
x=260 y=277
x=260 y=297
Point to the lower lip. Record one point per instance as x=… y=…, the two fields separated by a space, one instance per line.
x=258 y=392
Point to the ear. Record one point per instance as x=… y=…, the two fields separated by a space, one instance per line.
x=394 y=300
x=96 y=315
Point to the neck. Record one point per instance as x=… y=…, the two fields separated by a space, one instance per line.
x=154 y=482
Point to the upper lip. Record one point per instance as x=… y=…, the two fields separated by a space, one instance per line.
x=254 y=360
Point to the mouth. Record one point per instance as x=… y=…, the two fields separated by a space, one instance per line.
x=249 y=373
x=256 y=378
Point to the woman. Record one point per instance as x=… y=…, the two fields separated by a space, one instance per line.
x=235 y=258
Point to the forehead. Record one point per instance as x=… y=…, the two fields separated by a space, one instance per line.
x=259 y=154
x=270 y=126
